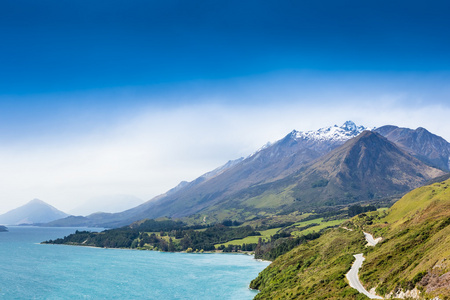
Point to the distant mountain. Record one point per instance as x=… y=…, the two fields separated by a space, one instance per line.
x=107 y=204
x=35 y=211
x=3 y=229
x=421 y=143
x=331 y=166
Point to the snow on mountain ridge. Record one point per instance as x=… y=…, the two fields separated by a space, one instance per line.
x=333 y=133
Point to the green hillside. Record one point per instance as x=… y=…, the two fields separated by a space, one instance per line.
x=414 y=254
x=416 y=250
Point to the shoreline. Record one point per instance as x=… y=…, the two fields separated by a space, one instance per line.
x=248 y=253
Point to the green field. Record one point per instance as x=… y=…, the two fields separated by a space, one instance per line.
x=317 y=228
x=252 y=239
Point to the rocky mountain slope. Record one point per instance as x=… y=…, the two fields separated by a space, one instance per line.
x=35 y=211
x=367 y=167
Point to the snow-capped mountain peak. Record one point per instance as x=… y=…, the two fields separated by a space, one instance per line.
x=349 y=125
x=345 y=132
x=334 y=134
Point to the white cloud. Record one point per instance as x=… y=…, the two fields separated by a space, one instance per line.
x=148 y=152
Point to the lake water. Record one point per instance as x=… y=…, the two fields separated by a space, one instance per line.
x=29 y=270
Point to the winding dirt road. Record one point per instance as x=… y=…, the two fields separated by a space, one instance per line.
x=352 y=275
x=370 y=240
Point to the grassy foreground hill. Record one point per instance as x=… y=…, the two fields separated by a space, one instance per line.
x=413 y=260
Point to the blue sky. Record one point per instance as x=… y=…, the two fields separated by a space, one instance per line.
x=131 y=97
x=54 y=45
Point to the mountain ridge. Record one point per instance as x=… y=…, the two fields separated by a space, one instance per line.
x=422 y=144
x=342 y=177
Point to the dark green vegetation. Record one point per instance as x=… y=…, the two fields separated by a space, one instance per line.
x=280 y=244
x=356 y=209
x=414 y=253
x=3 y=228
x=164 y=235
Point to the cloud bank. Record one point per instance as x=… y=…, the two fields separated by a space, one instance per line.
x=145 y=152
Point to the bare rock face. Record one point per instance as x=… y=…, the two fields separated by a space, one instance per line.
x=410 y=294
x=438 y=278
x=435 y=282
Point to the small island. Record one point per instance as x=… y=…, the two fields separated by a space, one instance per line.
x=3 y=228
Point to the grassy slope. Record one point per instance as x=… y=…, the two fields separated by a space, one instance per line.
x=317 y=228
x=415 y=252
x=265 y=235
x=417 y=243
x=314 y=270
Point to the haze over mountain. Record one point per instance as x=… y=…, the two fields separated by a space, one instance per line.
x=302 y=170
x=35 y=211
x=106 y=204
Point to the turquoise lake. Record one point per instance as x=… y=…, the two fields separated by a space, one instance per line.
x=29 y=270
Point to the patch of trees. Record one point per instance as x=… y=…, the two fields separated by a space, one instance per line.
x=319 y=183
x=236 y=248
x=356 y=209
x=217 y=234
x=231 y=223
x=270 y=250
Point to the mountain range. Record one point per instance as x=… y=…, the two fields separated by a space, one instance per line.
x=337 y=165
x=35 y=211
